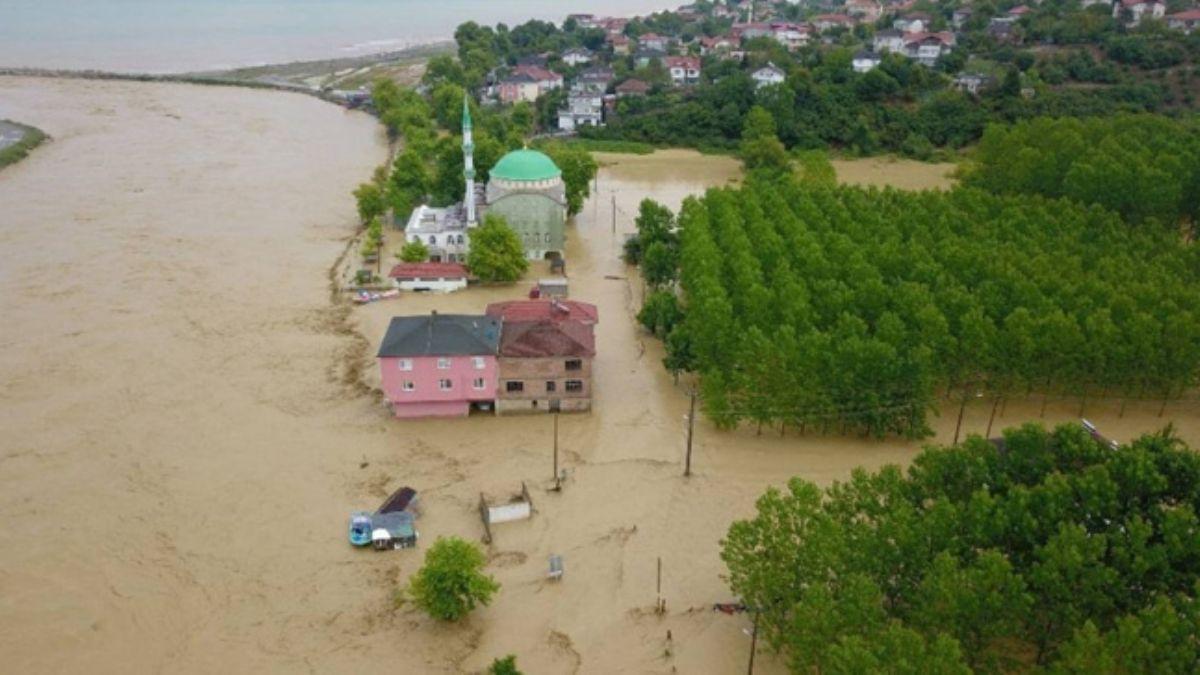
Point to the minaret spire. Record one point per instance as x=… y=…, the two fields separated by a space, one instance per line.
x=468 y=162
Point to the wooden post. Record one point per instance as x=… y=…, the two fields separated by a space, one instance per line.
x=658 y=584
x=614 y=210
x=483 y=515
x=687 y=466
x=753 y=642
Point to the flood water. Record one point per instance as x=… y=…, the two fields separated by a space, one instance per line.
x=189 y=416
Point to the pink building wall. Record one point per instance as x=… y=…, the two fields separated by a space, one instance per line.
x=427 y=399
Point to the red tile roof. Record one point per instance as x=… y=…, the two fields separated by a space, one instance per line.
x=1188 y=15
x=691 y=62
x=428 y=270
x=544 y=310
x=542 y=339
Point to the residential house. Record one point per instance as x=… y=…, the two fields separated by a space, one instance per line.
x=865 y=62
x=585 y=102
x=890 y=40
x=520 y=86
x=430 y=276
x=791 y=35
x=1019 y=11
x=440 y=365
x=750 y=31
x=720 y=44
x=827 y=22
x=1135 y=10
x=654 y=42
x=720 y=11
x=973 y=83
x=864 y=10
x=684 y=70
x=1185 y=21
x=632 y=87
x=768 y=75
x=595 y=79
x=584 y=20
x=545 y=355
x=620 y=44
x=927 y=48
x=577 y=56
x=960 y=17
x=1004 y=30
x=916 y=22
x=613 y=25
x=445 y=231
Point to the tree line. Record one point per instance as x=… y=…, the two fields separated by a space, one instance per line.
x=1047 y=550
x=1144 y=167
x=819 y=307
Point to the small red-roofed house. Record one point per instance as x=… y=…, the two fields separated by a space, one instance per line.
x=430 y=276
x=545 y=355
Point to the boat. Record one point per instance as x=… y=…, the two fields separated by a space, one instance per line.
x=365 y=297
x=360 y=528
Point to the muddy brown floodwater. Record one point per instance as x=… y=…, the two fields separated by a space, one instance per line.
x=185 y=430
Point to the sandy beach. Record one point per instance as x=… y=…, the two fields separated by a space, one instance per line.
x=190 y=413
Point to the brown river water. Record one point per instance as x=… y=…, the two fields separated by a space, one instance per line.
x=189 y=415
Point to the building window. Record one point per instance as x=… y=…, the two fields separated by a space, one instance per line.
x=409 y=385
x=460 y=239
x=405 y=364
x=550 y=386
x=445 y=385
x=514 y=386
x=547 y=237
x=574 y=364
x=443 y=364
x=478 y=383
x=432 y=240
x=575 y=385
x=479 y=362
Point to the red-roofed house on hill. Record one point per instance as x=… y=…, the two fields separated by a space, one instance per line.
x=1187 y=21
x=545 y=355
x=429 y=276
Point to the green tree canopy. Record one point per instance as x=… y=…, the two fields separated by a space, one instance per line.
x=414 y=251
x=496 y=253
x=452 y=583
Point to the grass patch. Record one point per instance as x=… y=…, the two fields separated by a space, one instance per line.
x=18 y=151
x=623 y=147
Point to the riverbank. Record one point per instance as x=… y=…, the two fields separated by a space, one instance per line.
x=17 y=141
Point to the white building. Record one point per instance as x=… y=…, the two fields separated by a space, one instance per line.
x=768 y=75
x=577 y=56
x=865 y=62
x=430 y=276
x=1139 y=9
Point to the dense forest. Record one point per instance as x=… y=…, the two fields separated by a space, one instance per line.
x=1143 y=167
x=846 y=309
x=1048 y=550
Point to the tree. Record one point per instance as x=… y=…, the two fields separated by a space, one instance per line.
x=761 y=148
x=658 y=264
x=414 y=251
x=578 y=169
x=451 y=582
x=496 y=253
x=370 y=202
x=504 y=666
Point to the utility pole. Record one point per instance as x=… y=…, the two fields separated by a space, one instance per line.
x=687 y=466
x=614 y=210
x=557 y=479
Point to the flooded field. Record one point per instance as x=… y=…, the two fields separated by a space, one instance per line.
x=190 y=414
x=905 y=174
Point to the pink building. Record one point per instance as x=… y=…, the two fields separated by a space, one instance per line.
x=440 y=365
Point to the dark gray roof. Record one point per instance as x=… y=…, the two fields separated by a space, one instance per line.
x=441 y=335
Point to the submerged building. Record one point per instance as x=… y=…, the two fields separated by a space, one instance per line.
x=525 y=187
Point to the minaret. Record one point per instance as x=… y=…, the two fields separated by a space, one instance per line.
x=468 y=163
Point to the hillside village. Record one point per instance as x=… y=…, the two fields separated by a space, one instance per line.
x=684 y=77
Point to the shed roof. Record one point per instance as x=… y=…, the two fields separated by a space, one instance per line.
x=441 y=335
x=428 y=270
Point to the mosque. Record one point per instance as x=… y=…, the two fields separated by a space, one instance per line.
x=525 y=187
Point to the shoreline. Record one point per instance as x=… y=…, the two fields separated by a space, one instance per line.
x=30 y=139
x=271 y=77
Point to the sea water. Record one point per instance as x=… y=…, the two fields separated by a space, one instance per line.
x=165 y=36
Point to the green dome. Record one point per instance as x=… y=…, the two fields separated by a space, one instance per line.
x=525 y=165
